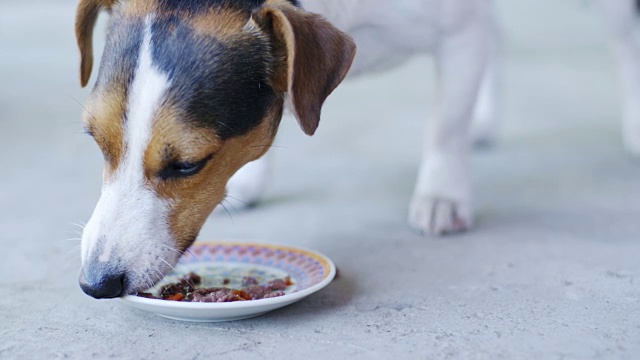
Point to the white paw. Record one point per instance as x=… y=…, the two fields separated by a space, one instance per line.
x=437 y=216
x=247 y=185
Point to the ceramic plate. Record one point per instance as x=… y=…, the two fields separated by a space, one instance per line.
x=214 y=262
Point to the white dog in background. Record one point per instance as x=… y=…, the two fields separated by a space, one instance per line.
x=463 y=37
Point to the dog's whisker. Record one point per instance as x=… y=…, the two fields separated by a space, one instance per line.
x=165 y=261
x=148 y=281
x=75 y=232
x=225 y=125
x=80 y=225
x=160 y=274
x=172 y=249
x=176 y=251
x=77 y=257
x=77 y=248
x=227 y=210
x=190 y=252
x=236 y=199
x=270 y=146
x=83 y=107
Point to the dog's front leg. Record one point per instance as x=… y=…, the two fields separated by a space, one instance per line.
x=621 y=18
x=247 y=185
x=487 y=113
x=441 y=201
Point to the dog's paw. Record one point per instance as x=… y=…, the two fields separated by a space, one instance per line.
x=435 y=216
x=247 y=185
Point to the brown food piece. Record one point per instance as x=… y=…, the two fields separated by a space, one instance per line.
x=195 y=279
x=176 y=297
x=217 y=295
x=277 y=284
x=185 y=290
x=169 y=290
x=242 y=294
x=186 y=285
x=248 y=281
x=146 y=295
x=257 y=292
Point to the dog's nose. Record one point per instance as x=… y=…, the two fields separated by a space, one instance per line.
x=106 y=286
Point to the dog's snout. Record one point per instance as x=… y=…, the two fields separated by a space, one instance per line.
x=102 y=286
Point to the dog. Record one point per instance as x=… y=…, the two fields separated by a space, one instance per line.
x=191 y=92
x=434 y=186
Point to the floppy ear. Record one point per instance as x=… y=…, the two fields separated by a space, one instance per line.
x=318 y=57
x=86 y=17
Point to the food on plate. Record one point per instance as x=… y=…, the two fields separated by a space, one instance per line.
x=187 y=290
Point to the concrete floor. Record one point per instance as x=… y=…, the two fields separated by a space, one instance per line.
x=551 y=271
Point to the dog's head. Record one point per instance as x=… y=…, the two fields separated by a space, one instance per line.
x=187 y=93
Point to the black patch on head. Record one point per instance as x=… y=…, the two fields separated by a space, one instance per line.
x=223 y=85
x=121 y=52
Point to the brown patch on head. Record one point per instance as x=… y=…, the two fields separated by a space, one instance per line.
x=222 y=23
x=173 y=139
x=137 y=8
x=193 y=198
x=103 y=119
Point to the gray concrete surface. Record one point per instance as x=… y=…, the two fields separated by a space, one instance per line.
x=551 y=271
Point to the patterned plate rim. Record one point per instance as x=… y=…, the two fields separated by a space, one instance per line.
x=326 y=263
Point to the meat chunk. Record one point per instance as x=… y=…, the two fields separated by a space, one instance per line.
x=186 y=290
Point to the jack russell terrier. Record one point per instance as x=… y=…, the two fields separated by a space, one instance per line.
x=190 y=91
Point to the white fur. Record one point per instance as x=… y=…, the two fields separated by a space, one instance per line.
x=465 y=38
x=460 y=33
x=621 y=19
x=247 y=185
x=487 y=113
x=130 y=220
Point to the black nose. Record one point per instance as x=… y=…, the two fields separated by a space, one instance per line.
x=107 y=286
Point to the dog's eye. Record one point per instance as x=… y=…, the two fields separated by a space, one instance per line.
x=182 y=169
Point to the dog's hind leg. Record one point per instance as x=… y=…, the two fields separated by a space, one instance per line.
x=621 y=18
x=487 y=113
x=441 y=201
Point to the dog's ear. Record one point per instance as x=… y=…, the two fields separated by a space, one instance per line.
x=317 y=58
x=86 y=17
